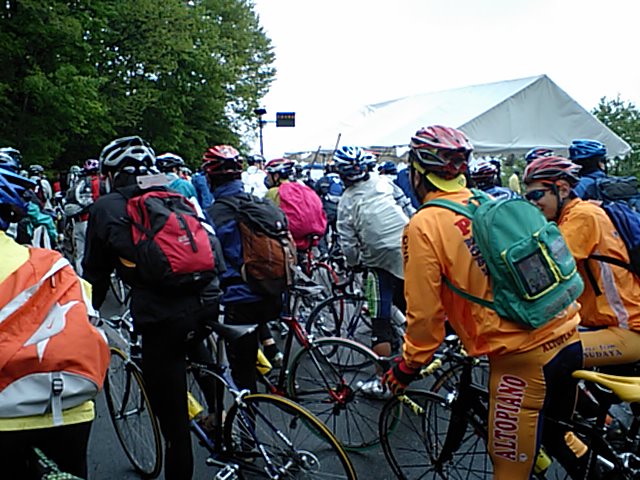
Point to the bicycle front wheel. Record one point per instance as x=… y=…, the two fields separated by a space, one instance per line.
x=413 y=430
x=135 y=424
x=272 y=436
x=328 y=379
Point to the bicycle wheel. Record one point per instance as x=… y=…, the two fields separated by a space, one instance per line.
x=343 y=315
x=327 y=379
x=118 y=288
x=136 y=426
x=448 y=379
x=413 y=429
x=273 y=435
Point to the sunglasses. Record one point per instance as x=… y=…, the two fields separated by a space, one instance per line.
x=535 y=195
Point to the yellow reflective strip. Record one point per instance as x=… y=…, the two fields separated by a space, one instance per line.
x=80 y=414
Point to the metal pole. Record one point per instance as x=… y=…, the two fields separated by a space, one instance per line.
x=261 y=123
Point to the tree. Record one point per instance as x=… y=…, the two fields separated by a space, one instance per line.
x=623 y=118
x=183 y=75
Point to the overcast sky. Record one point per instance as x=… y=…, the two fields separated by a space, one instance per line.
x=333 y=56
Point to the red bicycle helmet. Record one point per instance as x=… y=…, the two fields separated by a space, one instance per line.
x=552 y=169
x=441 y=150
x=282 y=166
x=221 y=160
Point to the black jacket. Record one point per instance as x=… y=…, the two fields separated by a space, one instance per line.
x=108 y=241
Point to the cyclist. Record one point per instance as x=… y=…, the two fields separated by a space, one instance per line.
x=172 y=325
x=403 y=181
x=388 y=170
x=514 y=182
x=43 y=189
x=530 y=370
x=329 y=188
x=484 y=174
x=372 y=213
x=86 y=189
x=170 y=164
x=242 y=306
x=611 y=297
x=300 y=203
x=254 y=176
x=64 y=443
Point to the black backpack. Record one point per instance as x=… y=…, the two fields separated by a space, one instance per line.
x=619 y=189
x=268 y=250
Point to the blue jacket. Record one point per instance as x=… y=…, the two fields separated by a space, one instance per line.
x=203 y=194
x=586 y=187
x=404 y=182
x=235 y=290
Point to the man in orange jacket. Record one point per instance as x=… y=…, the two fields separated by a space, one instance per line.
x=438 y=243
x=611 y=298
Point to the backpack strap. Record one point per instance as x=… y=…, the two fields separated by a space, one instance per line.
x=468 y=296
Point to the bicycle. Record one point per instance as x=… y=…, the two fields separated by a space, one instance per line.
x=264 y=435
x=326 y=375
x=346 y=314
x=451 y=430
x=136 y=426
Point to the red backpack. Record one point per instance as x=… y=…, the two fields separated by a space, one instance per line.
x=51 y=357
x=303 y=208
x=173 y=248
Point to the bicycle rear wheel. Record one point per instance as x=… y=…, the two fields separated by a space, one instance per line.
x=343 y=315
x=327 y=378
x=413 y=429
x=135 y=424
x=268 y=433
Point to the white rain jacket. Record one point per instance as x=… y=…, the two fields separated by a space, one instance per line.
x=371 y=217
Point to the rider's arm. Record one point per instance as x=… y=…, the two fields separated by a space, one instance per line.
x=96 y=263
x=581 y=231
x=425 y=329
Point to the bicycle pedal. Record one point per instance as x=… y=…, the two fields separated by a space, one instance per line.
x=229 y=472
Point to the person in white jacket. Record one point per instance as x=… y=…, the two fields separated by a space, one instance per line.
x=254 y=176
x=372 y=213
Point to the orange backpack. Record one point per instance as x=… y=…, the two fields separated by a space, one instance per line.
x=51 y=357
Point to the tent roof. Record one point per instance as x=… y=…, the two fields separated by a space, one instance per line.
x=508 y=117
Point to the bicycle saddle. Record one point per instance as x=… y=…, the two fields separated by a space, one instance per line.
x=233 y=332
x=626 y=388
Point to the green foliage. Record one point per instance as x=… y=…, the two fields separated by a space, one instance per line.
x=623 y=118
x=183 y=75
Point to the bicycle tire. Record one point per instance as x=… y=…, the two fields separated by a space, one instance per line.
x=136 y=425
x=294 y=440
x=327 y=379
x=447 y=380
x=118 y=289
x=412 y=434
x=343 y=315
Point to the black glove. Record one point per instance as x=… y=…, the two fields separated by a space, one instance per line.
x=399 y=376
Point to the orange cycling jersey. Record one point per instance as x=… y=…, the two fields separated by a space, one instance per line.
x=588 y=230
x=439 y=243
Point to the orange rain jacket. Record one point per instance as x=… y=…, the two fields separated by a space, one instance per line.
x=437 y=242
x=588 y=230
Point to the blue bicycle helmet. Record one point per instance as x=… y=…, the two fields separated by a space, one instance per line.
x=13 y=203
x=388 y=168
x=9 y=163
x=352 y=163
x=585 y=148
x=538 y=152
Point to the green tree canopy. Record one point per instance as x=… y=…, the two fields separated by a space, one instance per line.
x=183 y=75
x=624 y=119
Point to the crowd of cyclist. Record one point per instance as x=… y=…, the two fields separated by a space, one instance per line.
x=373 y=210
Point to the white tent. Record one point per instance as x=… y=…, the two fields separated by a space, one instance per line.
x=508 y=117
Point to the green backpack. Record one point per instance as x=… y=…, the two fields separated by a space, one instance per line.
x=533 y=274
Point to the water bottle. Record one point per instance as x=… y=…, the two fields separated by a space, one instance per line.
x=262 y=363
x=193 y=406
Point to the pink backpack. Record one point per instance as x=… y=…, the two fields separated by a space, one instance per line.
x=303 y=208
